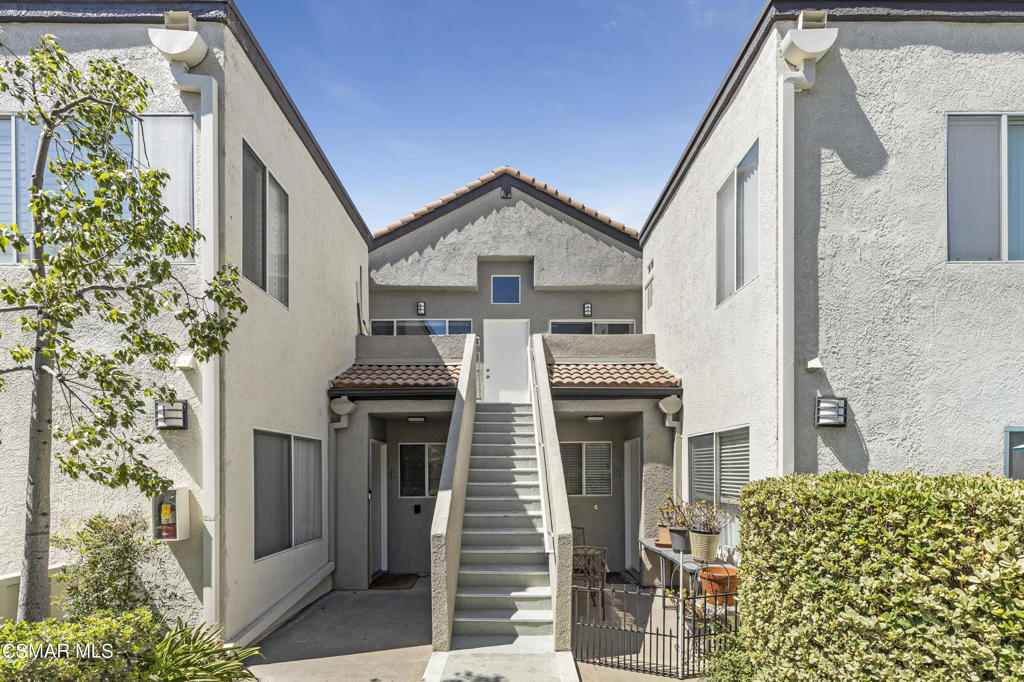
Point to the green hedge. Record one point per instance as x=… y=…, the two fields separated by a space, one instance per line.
x=883 y=577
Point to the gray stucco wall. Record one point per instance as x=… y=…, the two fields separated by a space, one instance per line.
x=927 y=351
x=444 y=252
x=725 y=354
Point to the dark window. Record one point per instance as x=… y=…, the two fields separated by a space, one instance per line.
x=460 y=326
x=420 y=468
x=1015 y=453
x=419 y=327
x=572 y=327
x=382 y=327
x=264 y=228
x=505 y=289
x=272 y=497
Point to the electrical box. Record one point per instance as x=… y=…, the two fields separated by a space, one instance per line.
x=170 y=515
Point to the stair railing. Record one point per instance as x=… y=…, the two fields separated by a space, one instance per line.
x=557 y=521
x=446 y=525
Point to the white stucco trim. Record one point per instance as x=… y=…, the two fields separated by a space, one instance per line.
x=264 y=623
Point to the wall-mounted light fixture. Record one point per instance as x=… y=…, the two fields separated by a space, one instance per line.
x=829 y=411
x=171 y=415
x=416 y=420
x=588 y=310
x=421 y=307
x=594 y=417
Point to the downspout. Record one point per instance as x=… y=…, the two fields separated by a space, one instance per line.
x=801 y=47
x=180 y=43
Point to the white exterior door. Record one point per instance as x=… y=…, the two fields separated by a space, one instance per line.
x=378 y=496
x=506 y=372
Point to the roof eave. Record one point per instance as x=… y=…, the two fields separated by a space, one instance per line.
x=392 y=392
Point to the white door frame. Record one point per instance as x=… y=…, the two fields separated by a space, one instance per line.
x=632 y=524
x=526 y=351
x=382 y=499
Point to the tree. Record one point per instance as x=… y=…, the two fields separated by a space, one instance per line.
x=99 y=253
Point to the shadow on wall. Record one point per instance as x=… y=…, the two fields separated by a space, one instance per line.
x=830 y=119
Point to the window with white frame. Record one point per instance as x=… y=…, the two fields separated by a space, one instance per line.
x=287 y=492
x=504 y=288
x=587 y=467
x=419 y=468
x=264 y=227
x=985 y=187
x=649 y=294
x=1015 y=452
x=736 y=228
x=160 y=141
x=593 y=327
x=420 y=327
x=719 y=466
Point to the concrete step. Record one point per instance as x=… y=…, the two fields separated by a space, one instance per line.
x=500 y=460
x=506 y=644
x=492 y=597
x=500 y=438
x=502 y=427
x=495 y=575
x=475 y=537
x=517 y=475
x=503 y=488
x=503 y=622
x=478 y=555
x=513 y=503
x=502 y=519
x=504 y=417
x=505 y=408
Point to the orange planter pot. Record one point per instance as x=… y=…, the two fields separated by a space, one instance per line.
x=720 y=580
x=664 y=539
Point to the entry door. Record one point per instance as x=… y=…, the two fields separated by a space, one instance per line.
x=632 y=487
x=506 y=371
x=378 y=516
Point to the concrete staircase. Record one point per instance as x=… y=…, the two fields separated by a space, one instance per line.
x=503 y=599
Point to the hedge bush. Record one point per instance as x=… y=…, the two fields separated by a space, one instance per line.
x=876 y=576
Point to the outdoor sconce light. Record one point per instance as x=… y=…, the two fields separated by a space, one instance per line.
x=421 y=308
x=588 y=310
x=171 y=415
x=595 y=418
x=829 y=411
x=416 y=420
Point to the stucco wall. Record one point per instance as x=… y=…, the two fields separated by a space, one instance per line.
x=725 y=354
x=177 y=567
x=928 y=352
x=275 y=376
x=444 y=252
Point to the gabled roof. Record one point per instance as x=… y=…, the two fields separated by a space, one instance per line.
x=499 y=177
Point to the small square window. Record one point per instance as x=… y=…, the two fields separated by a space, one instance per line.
x=460 y=326
x=505 y=289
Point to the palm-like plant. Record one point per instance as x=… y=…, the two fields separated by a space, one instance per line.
x=198 y=654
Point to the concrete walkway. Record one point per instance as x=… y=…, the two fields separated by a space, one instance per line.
x=363 y=636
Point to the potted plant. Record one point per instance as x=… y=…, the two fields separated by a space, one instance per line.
x=675 y=515
x=663 y=539
x=706 y=522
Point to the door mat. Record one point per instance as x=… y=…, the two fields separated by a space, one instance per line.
x=397 y=581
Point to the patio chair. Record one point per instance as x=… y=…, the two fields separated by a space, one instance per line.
x=590 y=569
x=578 y=537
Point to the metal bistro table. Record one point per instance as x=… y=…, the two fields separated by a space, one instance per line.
x=684 y=563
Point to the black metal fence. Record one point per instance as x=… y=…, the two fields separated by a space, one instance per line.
x=650 y=630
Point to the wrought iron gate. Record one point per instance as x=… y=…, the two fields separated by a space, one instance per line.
x=649 y=630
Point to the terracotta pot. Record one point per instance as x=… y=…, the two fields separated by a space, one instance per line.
x=704 y=546
x=720 y=580
x=680 y=539
x=663 y=539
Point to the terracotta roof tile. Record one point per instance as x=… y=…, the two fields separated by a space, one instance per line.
x=642 y=375
x=507 y=170
x=398 y=376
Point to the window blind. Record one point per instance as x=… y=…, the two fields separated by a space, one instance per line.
x=253 y=225
x=733 y=464
x=597 y=469
x=972 y=191
x=277 y=241
x=272 y=498
x=702 y=468
x=725 y=243
x=308 y=490
x=572 y=467
x=746 y=218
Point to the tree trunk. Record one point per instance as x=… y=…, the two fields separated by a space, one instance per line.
x=34 y=590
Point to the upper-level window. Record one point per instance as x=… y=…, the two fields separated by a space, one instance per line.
x=420 y=327
x=160 y=141
x=593 y=327
x=736 y=218
x=505 y=289
x=264 y=228
x=985 y=187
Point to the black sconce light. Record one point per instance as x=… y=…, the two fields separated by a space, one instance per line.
x=421 y=308
x=829 y=411
x=588 y=310
x=171 y=415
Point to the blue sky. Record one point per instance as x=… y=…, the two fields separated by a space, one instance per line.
x=411 y=99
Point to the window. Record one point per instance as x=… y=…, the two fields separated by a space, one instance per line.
x=1015 y=452
x=161 y=141
x=287 y=492
x=264 y=228
x=505 y=289
x=737 y=226
x=649 y=294
x=419 y=327
x=420 y=468
x=593 y=327
x=719 y=466
x=587 y=468
x=983 y=155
